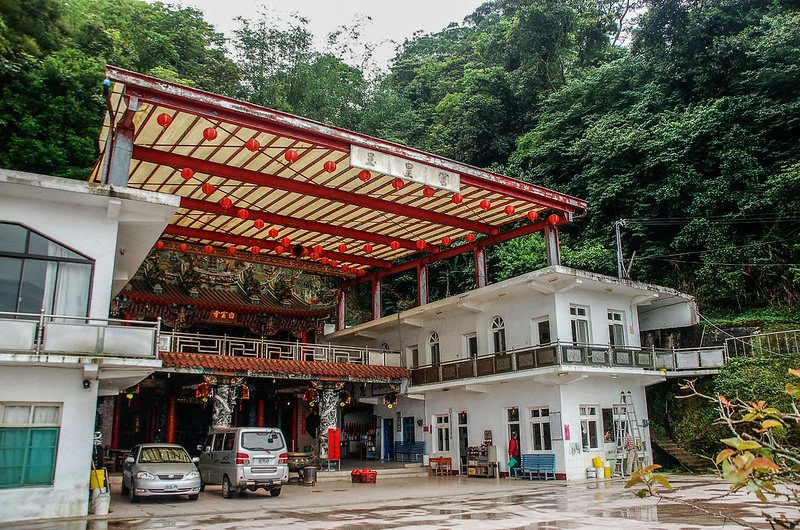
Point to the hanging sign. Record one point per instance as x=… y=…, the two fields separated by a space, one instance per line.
x=404 y=168
x=222 y=316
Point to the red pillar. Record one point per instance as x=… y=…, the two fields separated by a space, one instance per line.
x=172 y=419
x=117 y=421
x=304 y=336
x=293 y=402
x=260 y=414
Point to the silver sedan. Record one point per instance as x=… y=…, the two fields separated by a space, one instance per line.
x=160 y=469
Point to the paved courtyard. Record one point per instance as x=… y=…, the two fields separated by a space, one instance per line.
x=442 y=502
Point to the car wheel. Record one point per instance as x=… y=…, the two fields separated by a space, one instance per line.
x=252 y=488
x=227 y=489
x=275 y=492
x=132 y=493
x=194 y=497
x=202 y=486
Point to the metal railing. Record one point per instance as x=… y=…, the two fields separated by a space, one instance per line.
x=776 y=343
x=563 y=354
x=69 y=335
x=273 y=349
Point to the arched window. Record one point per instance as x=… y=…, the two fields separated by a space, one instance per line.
x=498 y=335
x=433 y=348
x=37 y=273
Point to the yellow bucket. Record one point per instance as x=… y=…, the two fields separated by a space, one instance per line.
x=607 y=472
x=97 y=478
x=597 y=462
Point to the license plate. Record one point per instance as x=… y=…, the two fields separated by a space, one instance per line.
x=262 y=461
x=171 y=487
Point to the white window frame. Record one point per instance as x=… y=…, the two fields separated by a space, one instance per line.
x=29 y=424
x=616 y=319
x=466 y=339
x=540 y=416
x=434 y=350
x=590 y=420
x=498 y=334
x=535 y=335
x=441 y=438
x=579 y=318
x=513 y=423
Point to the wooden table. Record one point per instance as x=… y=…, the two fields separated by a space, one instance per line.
x=441 y=465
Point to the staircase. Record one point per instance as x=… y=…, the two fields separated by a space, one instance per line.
x=688 y=460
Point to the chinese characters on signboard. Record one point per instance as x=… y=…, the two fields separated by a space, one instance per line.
x=404 y=168
x=222 y=316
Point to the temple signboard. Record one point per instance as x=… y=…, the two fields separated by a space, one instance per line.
x=222 y=317
x=404 y=168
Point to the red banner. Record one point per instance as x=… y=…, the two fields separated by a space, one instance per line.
x=334 y=447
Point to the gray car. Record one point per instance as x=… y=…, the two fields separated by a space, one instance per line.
x=160 y=469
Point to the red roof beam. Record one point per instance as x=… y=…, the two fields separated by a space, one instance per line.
x=177 y=161
x=231 y=239
x=301 y=224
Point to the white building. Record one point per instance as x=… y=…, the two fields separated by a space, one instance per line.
x=545 y=355
x=66 y=247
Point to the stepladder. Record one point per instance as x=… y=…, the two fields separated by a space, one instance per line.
x=631 y=452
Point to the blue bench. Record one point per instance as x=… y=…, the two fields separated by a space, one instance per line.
x=536 y=466
x=408 y=451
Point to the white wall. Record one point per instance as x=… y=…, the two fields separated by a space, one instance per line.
x=599 y=304
x=69 y=494
x=85 y=229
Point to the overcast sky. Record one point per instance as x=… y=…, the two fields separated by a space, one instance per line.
x=391 y=20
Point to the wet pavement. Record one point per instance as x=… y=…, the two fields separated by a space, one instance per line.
x=443 y=502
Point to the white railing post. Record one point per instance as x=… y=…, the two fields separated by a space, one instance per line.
x=40 y=332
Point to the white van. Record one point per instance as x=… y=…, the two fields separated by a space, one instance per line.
x=241 y=458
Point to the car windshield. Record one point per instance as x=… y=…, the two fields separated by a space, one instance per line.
x=262 y=440
x=164 y=455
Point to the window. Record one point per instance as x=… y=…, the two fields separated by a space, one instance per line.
x=589 y=425
x=28 y=443
x=230 y=441
x=414 y=356
x=37 y=273
x=218 y=441
x=579 y=321
x=616 y=329
x=540 y=429
x=408 y=429
x=471 y=345
x=512 y=419
x=498 y=335
x=542 y=330
x=442 y=433
x=433 y=346
x=614 y=423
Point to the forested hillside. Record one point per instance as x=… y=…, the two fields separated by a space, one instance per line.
x=682 y=117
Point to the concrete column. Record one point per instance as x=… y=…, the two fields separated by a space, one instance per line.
x=377 y=298
x=552 y=247
x=224 y=396
x=328 y=415
x=122 y=146
x=172 y=419
x=480 y=268
x=341 y=317
x=422 y=284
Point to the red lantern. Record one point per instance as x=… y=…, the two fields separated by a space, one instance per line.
x=398 y=184
x=509 y=210
x=231 y=250
x=533 y=215
x=209 y=133
x=255 y=250
x=164 y=119
x=187 y=173
x=484 y=204
x=368 y=248
x=470 y=238
x=364 y=175
x=318 y=249
x=273 y=233
x=342 y=248
x=457 y=198
x=182 y=247
x=159 y=245
x=446 y=241
x=207 y=188
x=252 y=145
x=345 y=267
x=291 y=155
x=243 y=214
x=314 y=256
x=553 y=219
x=427 y=191
x=225 y=202
x=286 y=241
x=329 y=166
x=394 y=245
x=258 y=223
x=323 y=260
x=208 y=249
x=279 y=249
x=421 y=244
x=333 y=263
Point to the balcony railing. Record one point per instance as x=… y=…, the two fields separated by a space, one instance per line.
x=560 y=354
x=56 y=334
x=273 y=349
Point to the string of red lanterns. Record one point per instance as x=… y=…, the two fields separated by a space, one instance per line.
x=164 y=119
